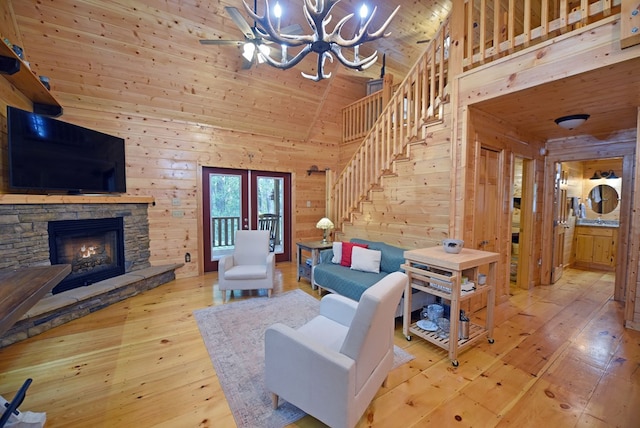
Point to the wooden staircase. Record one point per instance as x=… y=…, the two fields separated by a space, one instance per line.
x=416 y=103
x=486 y=31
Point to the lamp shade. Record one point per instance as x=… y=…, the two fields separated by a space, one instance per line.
x=324 y=223
x=572 y=121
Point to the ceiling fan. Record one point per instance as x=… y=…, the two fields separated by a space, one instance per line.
x=251 y=40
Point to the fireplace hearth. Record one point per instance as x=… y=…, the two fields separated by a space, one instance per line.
x=93 y=247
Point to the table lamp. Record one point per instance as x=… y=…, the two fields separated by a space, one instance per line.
x=324 y=224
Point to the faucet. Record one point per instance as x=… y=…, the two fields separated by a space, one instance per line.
x=599 y=220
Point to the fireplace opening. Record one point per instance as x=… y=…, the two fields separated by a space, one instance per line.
x=94 y=248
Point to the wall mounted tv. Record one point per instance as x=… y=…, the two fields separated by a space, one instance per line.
x=50 y=156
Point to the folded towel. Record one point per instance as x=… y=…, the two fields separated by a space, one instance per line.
x=583 y=211
x=468 y=286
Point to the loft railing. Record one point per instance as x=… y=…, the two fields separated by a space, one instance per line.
x=495 y=28
x=416 y=101
x=359 y=117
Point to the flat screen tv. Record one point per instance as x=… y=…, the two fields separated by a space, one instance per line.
x=50 y=156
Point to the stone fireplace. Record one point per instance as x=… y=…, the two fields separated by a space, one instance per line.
x=25 y=225
x=24 y=229
x=93 y=247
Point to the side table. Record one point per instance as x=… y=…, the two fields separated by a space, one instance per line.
x=314 y=248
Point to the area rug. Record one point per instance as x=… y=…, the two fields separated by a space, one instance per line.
x=234 y=336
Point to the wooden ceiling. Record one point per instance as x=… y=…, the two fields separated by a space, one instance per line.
x=610 y=95
x=143 y=57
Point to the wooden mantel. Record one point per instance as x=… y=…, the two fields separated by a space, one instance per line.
x=15 y=199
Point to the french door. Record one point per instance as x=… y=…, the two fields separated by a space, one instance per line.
x=244 y=199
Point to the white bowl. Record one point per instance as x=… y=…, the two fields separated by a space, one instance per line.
x=453 y=246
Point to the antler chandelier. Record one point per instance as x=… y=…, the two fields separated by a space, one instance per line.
x=322 y=42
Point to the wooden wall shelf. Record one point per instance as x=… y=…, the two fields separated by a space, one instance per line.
x=316 y=171
x=30 y=85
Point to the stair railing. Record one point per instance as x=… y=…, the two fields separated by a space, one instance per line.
x=415 y=102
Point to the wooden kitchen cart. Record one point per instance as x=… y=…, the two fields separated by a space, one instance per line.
x=436 y=272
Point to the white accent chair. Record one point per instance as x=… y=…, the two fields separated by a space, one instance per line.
x=250 y=267
x=333 y=366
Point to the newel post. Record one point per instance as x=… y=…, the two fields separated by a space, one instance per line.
x=387 y=89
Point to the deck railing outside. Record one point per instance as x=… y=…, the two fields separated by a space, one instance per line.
x=223 y=231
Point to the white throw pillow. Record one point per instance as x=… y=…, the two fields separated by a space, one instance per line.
x=365 y=260
x=337 y=252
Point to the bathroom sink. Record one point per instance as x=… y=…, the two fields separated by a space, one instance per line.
x=596 y=222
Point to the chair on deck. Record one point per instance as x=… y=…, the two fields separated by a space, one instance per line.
x=250 y=267
x=270 y=222
x=333 y=366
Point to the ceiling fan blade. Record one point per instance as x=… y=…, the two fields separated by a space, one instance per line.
x=246 y=64
x=294 y=30
x=222 y=42
x=238 y=19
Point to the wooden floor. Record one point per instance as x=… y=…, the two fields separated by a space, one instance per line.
x=561 y=358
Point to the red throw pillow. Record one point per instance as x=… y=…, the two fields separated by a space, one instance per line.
x=347 y=247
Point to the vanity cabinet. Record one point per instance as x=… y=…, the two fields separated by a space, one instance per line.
x=595 y=247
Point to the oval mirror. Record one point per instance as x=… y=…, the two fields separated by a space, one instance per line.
x=604 y=198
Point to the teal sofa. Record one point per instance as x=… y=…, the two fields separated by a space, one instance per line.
x=350 y=283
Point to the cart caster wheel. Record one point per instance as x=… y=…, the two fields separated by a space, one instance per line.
x=408 y=338
x=455 y=363
x=491 y=340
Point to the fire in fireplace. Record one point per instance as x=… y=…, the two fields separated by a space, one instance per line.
x=94 y=248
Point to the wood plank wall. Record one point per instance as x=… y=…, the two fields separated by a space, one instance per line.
x=142 y=75
x=411 y=210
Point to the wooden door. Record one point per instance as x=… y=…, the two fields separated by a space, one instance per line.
x=487 y=210
x=271 y=209
x=226 y=210
x=584 y=249
x=488 y=201
x=560 y=215
x=243 y=199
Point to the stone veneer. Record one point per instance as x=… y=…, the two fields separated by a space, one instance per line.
x=24 y=238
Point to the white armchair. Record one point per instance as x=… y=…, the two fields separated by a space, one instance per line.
x=250 y=267
x=333 y=366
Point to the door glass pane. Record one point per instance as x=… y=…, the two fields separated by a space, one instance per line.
x=270 y=200
x=226 y=211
